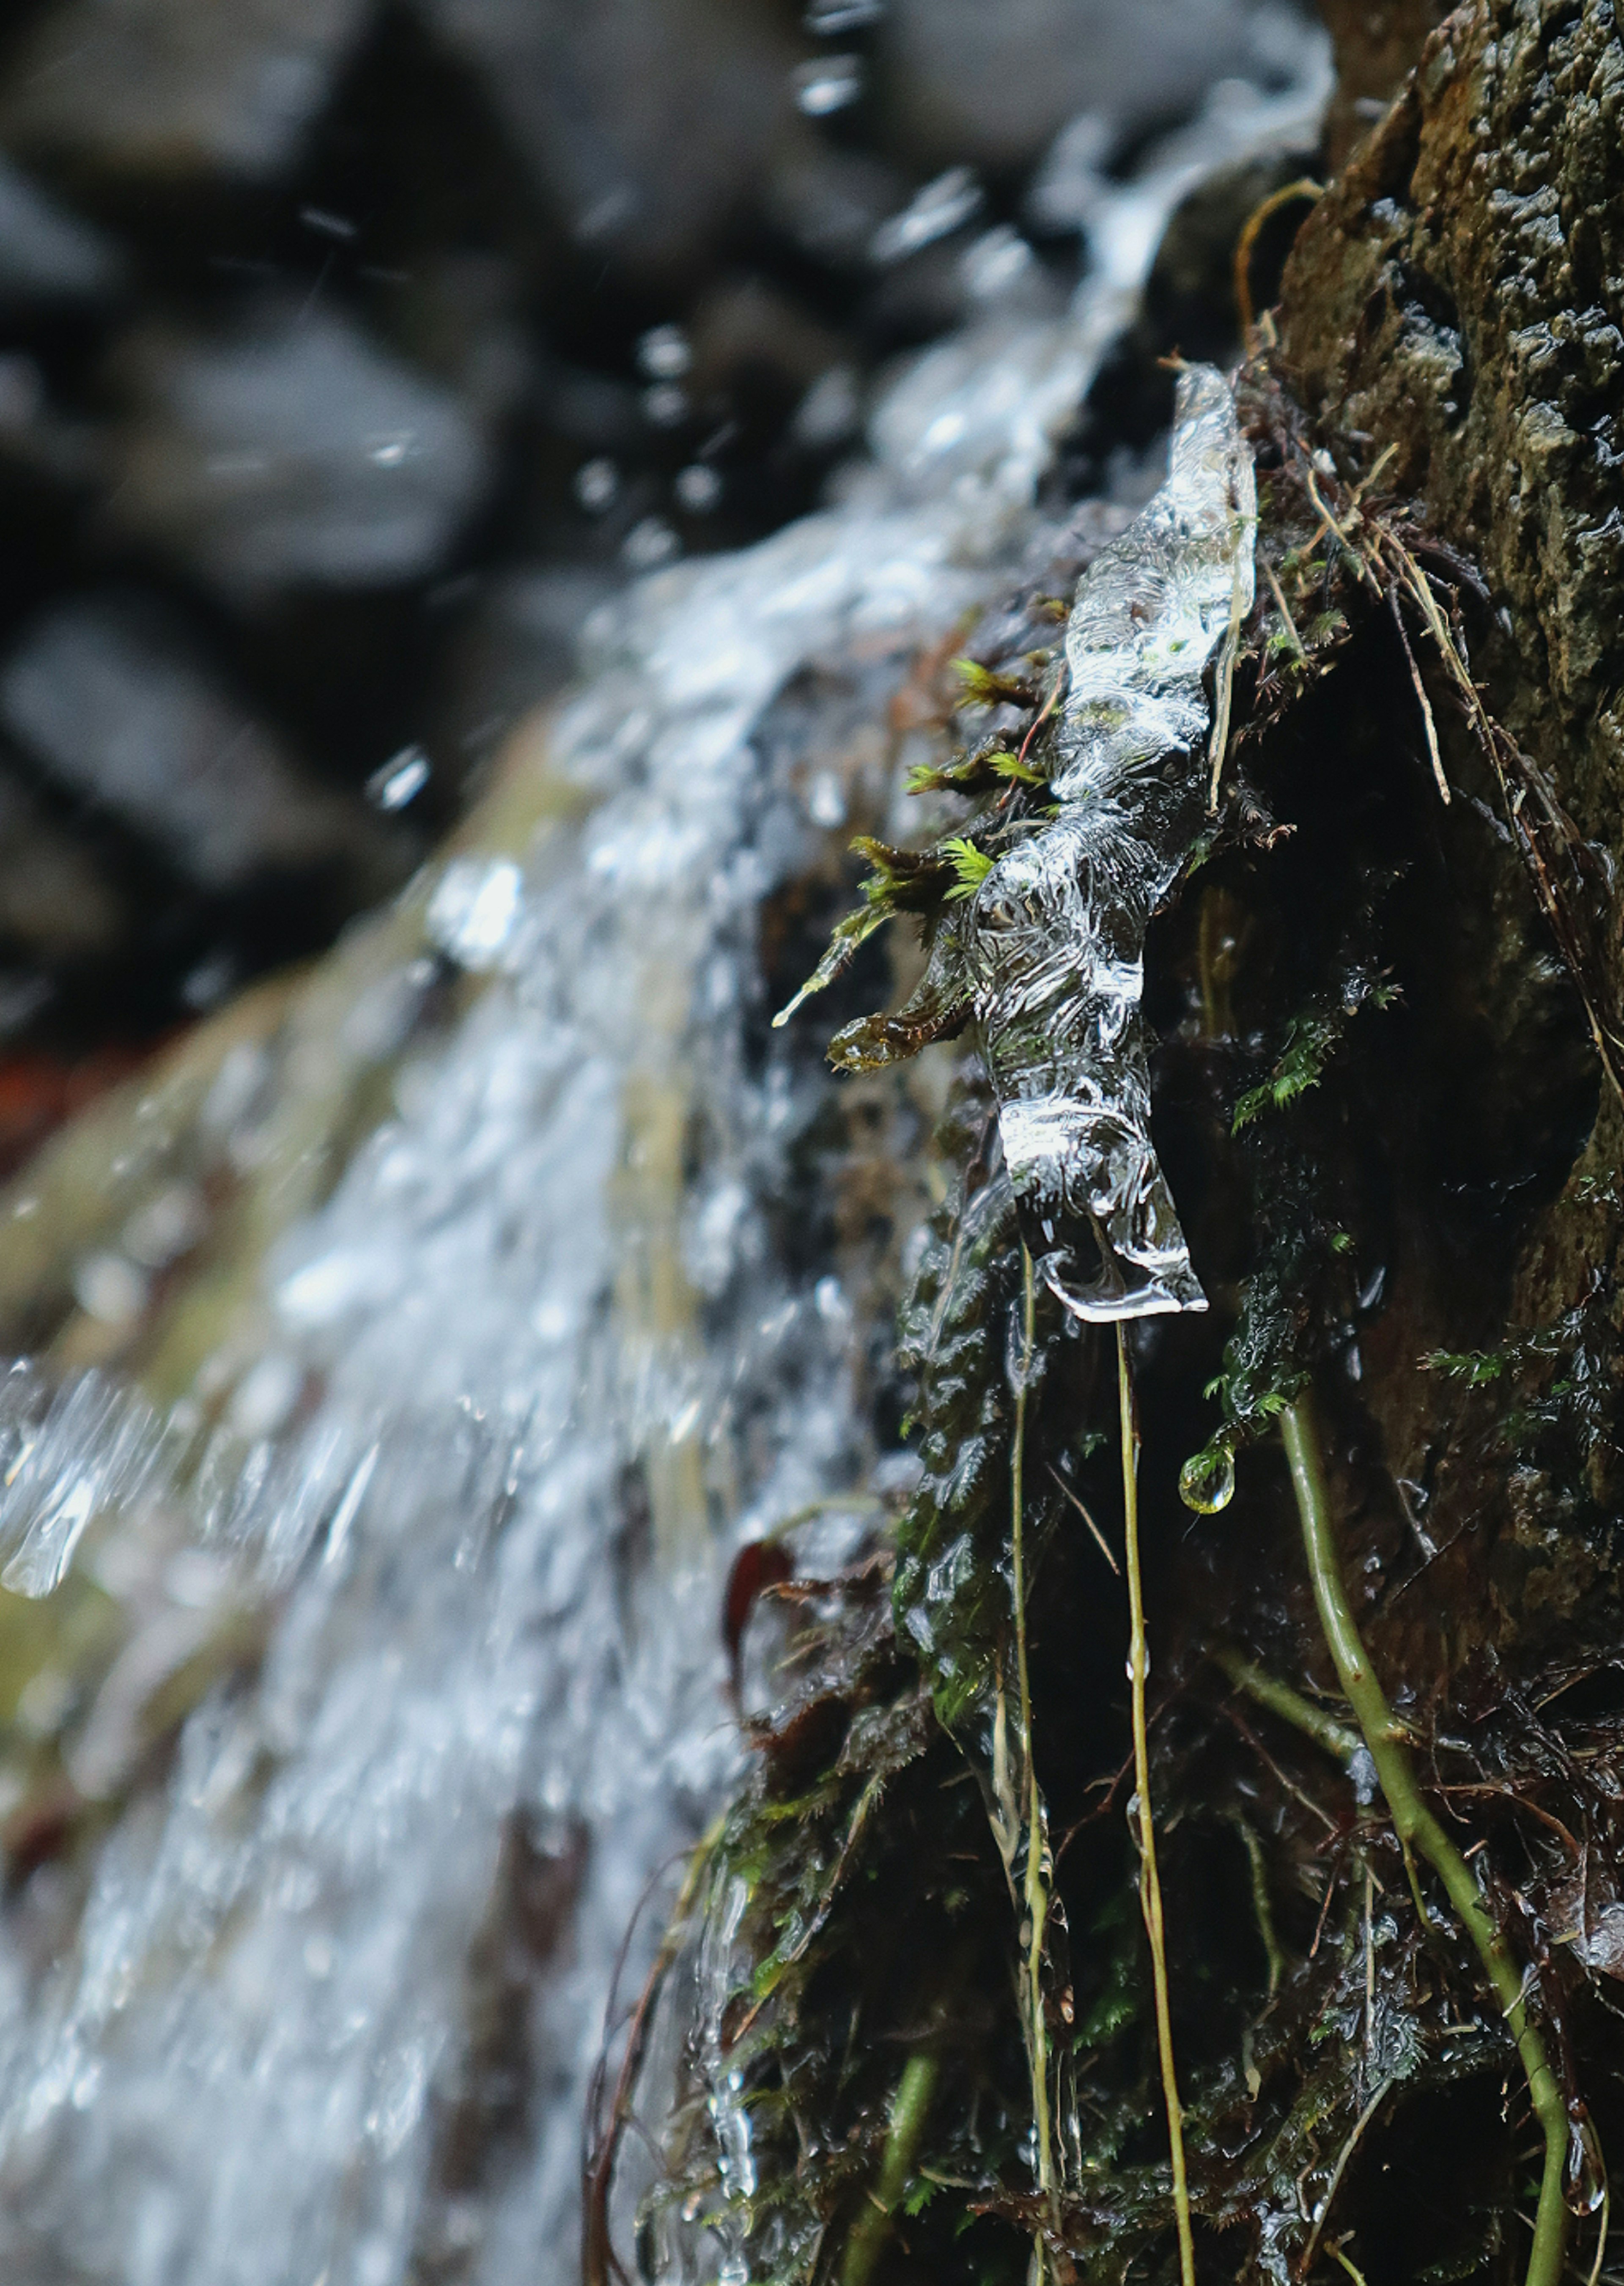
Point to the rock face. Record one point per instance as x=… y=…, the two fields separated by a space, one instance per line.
x=1460 y=295
x=134 y=89
x=108 y=701
x=292 y=452
x=645 y=125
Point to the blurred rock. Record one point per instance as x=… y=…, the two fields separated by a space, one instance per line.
x=965 y=83
x=48 y=254
x=645 y=123
x=750 y=340
x=56 y=901
x=518 y=647
x=292 y=452
x=829 y=202
x=169 y=90
x=112 y=705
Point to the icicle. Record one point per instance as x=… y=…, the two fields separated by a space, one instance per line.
x=1054 y=937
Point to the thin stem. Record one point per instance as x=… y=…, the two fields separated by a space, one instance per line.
x=1289 y=1705
x=1150 y=1885
x=1417 y=1828
x=1036 y=1889
x=910 y=2106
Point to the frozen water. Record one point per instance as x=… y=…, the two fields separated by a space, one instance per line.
x=526 y=1377
x=1054 y=938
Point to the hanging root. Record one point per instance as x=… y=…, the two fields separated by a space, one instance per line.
x=1420 y=1831
x=1150 y=1886
x=1035 y=1891
x=909 y=2107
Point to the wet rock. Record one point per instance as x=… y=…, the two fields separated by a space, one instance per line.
x=291 y=451
x=644 y=123
x=112 y=705
x=966 y=83
x=164 y=90
x=1457 y=297
x=48 y=254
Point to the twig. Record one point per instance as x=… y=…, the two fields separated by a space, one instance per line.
x=598 y=2257
x=1048 y=704
x=1289 y=1705
x=1304 y=187
x=1226 y=670
x=1352 y=2269
x=1334 y=2185
x=1262 y=1909
x=1100 y=1541
x=1421 y=694
x=1284 y=609
x=1415 y=1824
x=1150 y=1885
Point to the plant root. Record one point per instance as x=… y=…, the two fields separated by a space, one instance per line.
x=1150 y=1885
x=1418 y=1829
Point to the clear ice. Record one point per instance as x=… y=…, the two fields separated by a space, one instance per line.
x=524 y=1380
x=1054 y=938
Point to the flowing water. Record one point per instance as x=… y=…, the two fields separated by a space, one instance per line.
x=327 y=2007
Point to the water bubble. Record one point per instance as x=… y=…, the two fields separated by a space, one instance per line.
x=831 y=84
x=663 y=353
x=1207 y=1480
x=698 y=488
x=597 y=484
x=399 y=780
x=649 y=543
x=665 y=405
x=826 y=800
x=111 y=1290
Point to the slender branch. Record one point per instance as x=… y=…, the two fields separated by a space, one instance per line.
x=1417 y=1828
x=1150 y=1885
x=1289 y=1705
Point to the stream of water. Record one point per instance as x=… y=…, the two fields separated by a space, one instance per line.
x=326 y=2013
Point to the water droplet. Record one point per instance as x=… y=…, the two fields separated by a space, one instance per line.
x=828 y=85
x=663 y=353
x=596 y=483
x=665 y=405
x=1207 y=1480
x=399 y=780
x=649 y=543
x=698 y=488
x=111 y=1290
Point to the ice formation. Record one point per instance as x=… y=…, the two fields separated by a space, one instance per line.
x=1055 y=939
